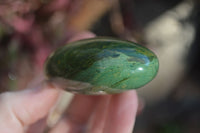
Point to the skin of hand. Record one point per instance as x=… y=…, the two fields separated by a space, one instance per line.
x=22 y=111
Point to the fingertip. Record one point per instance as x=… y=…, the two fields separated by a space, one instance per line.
x=30 y=105
x=82 y=35
x=122 y=112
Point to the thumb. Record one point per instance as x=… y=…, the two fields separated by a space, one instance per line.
x=22 y=108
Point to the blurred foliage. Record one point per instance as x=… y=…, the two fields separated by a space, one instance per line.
x=171 y=128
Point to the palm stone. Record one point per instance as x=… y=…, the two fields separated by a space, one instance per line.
x=101 y=66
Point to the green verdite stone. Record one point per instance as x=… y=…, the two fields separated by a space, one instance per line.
x=101 y=66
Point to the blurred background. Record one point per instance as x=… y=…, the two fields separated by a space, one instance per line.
x=31 y=29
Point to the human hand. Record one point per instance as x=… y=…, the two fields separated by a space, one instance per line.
x=99 y=114
x=21 y=111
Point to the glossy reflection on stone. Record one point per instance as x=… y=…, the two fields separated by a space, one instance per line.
x=102 y=65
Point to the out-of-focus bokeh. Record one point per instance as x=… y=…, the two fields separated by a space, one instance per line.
x=31 y=29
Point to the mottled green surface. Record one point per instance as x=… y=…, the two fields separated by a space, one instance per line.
x=109 y=65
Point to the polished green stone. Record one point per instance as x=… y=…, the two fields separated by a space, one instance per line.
x=102 y=65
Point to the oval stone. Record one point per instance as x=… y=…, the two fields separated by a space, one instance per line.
x=101 y=66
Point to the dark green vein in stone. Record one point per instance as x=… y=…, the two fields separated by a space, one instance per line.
x=119 y=82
